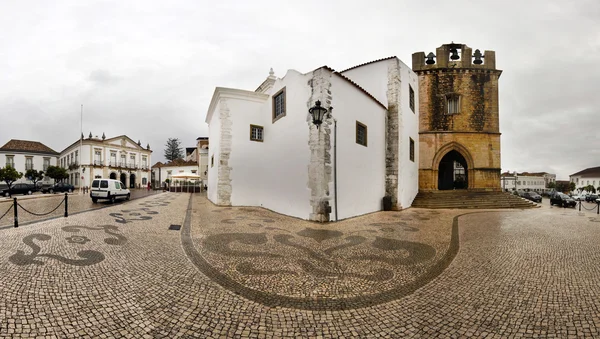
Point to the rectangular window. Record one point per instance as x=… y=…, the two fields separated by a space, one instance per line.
x=412 y=149
x=256 y=133
x=453 y=104
x=46 y=163
x=76 y=157
x=411 y=94
x=279 y=105
x=361 y=134
x=28 y=163
x=10 y=161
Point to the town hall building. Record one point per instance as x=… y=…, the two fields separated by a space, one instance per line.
x=387 y=132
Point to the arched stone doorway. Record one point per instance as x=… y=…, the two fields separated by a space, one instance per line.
x=132 y=180
x=113 y=175
x=453 y=172
x=123 y=179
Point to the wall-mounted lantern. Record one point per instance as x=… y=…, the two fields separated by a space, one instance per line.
x=317 y=113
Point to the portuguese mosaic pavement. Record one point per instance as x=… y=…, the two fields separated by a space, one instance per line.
x=247 y=272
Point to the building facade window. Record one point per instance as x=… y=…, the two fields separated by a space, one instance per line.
x=76 y=157
x=256 y=133
x=132 y=161
x=98 y=158
x=28 y=163
x=10 y=161
x=453 y=104
x=46 y=164
x=279 y=105
x=412 y=150
x=123 y=160
x=113 y=158
x=411 y=94
x=361 y=134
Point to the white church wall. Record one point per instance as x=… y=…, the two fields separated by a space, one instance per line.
x=273 y=173
x=373 y=78
x=360 y=169
x=214 y=134
x=408 y=171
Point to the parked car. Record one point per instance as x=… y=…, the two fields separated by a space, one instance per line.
x=563 y=200
x=59 y=187
x=591 y=197
x=18 y=189
x=577 y=197
x=533 y=196
x=109 y=189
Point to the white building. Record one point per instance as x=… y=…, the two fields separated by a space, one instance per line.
x=589 y=176
x=265 y=150
x=537 y=182
x=25 y=154
x=161 y=172
x=118 y=158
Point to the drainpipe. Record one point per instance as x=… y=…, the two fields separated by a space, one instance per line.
x=335 y=168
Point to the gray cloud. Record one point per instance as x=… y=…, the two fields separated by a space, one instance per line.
x=148 y=69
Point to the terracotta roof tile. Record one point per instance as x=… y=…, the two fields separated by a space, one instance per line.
x=367 y=63
x=176 y=163
x=589 y=172
x=27 y=146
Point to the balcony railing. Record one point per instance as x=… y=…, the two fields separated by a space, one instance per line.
x=98 y=163
x=144 y=167
x=132 y=165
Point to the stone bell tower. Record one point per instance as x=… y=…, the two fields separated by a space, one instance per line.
x=459 y=135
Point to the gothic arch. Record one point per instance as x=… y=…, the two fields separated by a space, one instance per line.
x=463 y=152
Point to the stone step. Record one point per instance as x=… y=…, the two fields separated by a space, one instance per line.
x=470 y=199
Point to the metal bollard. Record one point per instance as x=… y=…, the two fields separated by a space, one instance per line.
x=579 y=205
x=16 y=214
x=66 y=205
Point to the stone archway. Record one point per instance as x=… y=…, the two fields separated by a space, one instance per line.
x=453 y=172
x=124 y=179
x=132 y=180
x=113 y=175
x=451 y=161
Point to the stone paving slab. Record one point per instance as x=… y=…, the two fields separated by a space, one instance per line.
x=52 y=206
x=119 y=272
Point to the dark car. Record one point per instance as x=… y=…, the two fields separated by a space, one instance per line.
x=19 y=189
x=591 y=197
x=563 y=200
x=59 y=187
x=532 y=196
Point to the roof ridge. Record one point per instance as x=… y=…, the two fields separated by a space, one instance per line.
x=367 y=63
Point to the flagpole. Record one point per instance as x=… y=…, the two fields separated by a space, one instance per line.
x=81 y=153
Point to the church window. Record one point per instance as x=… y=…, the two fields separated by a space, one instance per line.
x=361 y=134
x=412 y=150
x=411 y=94
x=279 y=105
x=256 y=133
x=453 y=104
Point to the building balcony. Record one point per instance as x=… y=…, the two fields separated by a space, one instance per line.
x=98 y=163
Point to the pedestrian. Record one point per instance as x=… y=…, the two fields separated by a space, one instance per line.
x=149 y=186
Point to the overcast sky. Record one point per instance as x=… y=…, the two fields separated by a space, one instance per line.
x=148 y=69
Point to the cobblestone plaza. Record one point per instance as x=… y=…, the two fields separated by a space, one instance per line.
x=176 y=266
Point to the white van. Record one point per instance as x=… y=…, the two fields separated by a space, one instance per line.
x=109 y=189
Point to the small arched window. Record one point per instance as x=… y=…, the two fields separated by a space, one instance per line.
x=452 y=103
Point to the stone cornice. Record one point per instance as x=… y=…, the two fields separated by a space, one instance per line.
x=223 y=92
x=459 y=70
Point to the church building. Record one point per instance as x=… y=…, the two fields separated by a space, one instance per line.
x=328 y=145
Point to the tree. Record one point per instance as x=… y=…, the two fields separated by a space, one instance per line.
x=9 y=175
x=57 y=173
x=551 y=184
x=571 y=186
x=172 y=150
x=34 y=175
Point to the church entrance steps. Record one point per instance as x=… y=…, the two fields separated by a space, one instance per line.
x=470 y=199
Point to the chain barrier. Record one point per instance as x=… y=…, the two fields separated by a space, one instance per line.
x=596 y=208
x=40 y=214
x=8 y=210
